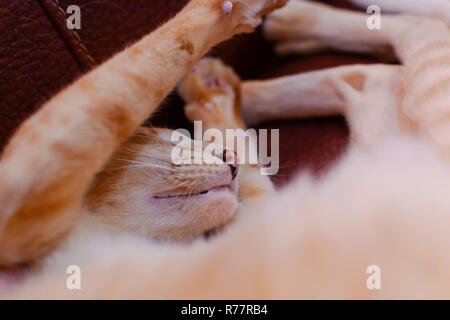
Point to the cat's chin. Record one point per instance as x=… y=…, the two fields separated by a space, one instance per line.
x=197 y=215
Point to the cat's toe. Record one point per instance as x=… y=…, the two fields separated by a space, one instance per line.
x=211 y=90
x=207 y=78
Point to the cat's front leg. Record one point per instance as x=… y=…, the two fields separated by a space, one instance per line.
x=50 y=162
x=212 y=92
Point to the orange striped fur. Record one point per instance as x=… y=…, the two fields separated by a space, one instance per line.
x=385 y=203
x=50 y=168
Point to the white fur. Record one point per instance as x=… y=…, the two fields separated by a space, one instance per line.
x=312 y=240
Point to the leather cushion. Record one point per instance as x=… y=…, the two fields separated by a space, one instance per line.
x=40 y=56
x=34 y=62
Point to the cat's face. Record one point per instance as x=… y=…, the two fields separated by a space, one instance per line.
x=142 y=191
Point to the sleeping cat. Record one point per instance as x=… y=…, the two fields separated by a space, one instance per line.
x=384 y=204
x=73 y=168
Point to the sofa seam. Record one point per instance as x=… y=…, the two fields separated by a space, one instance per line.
x=75 y=33
x=58 y=31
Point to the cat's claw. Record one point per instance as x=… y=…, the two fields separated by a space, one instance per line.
x=227 y=7
x=243 y=15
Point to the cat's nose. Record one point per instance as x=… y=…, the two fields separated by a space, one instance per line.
x=232 y=160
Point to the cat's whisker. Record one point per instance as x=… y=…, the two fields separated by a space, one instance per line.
x=156 y=159
x=193 y=183
x=148 y=165
x=134 y=161
x=179 y=185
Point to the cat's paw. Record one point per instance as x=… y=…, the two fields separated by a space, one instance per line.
x=211 y=91
x=249 y=13
x=241 y=15
x=297 y=28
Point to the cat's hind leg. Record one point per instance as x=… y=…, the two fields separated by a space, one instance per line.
x=304 y=27
x=427 y=8
x=421 y=44
x=367 y=95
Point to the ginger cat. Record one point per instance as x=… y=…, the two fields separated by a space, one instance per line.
x=384 y=204
x=73 y=170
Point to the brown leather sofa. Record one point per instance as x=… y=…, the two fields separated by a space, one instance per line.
x=39 y=55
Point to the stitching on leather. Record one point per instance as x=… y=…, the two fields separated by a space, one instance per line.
x=75 y=33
